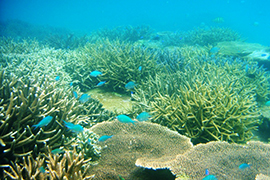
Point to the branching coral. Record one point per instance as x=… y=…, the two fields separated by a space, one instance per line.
x=124 y=33
x=69 y=165
x=87 y=142
x=207 y=100
x=213 y=35
x=120 y=62
x=25 y=103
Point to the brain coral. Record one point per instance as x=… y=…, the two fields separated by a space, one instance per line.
x=130 y=142
x=220 y=158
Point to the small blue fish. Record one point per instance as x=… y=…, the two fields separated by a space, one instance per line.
x=206 y=172
x=57 y=78
x=104 y=138
x=140 y=68
x=124 y=119
x=267 y=103
x=44 y=122
x=214 y=50
x=75 y=94
x=244 y=166
x=57 y=151
x=42 y=170
x=263 y=55
x=247 y=68
x=210 y=177
x=101 y=83
x=95 y=73
x=71 y=83
x=130 y=85
x=74 y=127
x=144 y=116
x=84 y=98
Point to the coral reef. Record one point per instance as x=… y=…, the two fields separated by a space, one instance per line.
x=69 y=165
x=23 y=104
x=69 y=41
x=262 y=177
x=120 y=62
x=212 y=35
x=130 y=142
x=207 y=100
x=124 y=33
x=220 y=158
x=87 y=142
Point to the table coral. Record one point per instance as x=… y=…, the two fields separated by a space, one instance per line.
x=220 y=158
x=130 y=142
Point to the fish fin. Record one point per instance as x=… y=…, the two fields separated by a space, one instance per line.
x=35 y=126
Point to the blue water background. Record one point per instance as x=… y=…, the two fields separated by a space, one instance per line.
x=250 y=18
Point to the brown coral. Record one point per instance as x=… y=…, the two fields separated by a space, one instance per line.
x=130 y=142
x=220 y=158
x=69 y=166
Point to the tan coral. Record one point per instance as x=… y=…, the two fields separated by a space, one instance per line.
x=129 y=142
x=221 y=159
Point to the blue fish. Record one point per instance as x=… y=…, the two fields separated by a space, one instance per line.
x=247 y=68
x=57 y=151
x=84 y=98
x=206 y=172
x=140 y=68
x=101 y=83
x=144 y=116
x=210 y=177
x=74 y=127
x=263 y=55
x=57 y=78
x=42 y=170
x=95 y=73
x=244 y=166
x=214 y=50
x=124 y=119
x=130 y=85
x=44 y=122
x=104 y=138
x=75 y=94
x=71 y=83
x=267 y=103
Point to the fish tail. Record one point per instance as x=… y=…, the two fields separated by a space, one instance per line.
x=35 y=126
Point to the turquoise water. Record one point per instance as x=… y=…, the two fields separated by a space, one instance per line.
x=248 y=17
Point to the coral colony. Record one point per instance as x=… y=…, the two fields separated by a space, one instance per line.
x=193 y=103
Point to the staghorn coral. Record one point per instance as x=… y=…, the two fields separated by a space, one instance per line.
x=206 y=100
x=87 y=142
x=24 y=103
x=130 y=142
x=70 y=165
x=212 y=35
x=220 y=158
x=69 y=41
x=120 y=62
x=124 y=33
x=30 y=168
